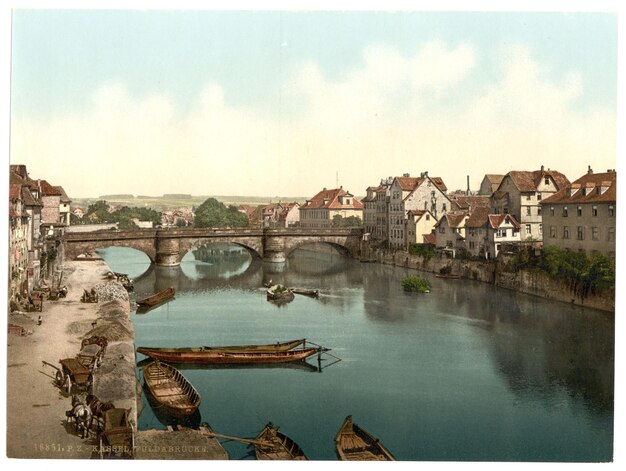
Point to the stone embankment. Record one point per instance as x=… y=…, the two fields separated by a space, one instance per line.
x=529 y=282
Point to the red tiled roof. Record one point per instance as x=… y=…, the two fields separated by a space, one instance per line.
x=470 y=202
x=48 y=190
x=438 y=181
x=430 y=239
x=589 y=182
x=454 y=218
x=28 y=198
x=478 y=217
x=408 y=183
x=496 y=220
x=529 y=181
x=330 y=199
x=64 y=197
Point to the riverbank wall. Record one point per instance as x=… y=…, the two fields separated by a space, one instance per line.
x=536 y=283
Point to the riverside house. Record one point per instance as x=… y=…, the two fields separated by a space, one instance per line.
x=581 y=216
x=320 y=210
x=487 y=234
x=520 y=194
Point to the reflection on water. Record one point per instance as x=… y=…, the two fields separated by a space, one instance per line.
x=466 y=372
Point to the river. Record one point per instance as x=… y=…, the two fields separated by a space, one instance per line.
x=468 y=372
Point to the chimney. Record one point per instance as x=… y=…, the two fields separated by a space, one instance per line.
x=589 y=171
x=542 y=168
x=468 y=188
x=406 y=175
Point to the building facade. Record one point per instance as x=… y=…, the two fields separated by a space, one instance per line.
x=582 y=216
x=321 y=210
x=419 y=223
x=520 y=194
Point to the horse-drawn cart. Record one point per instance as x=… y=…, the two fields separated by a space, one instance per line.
x=92 y=351
x=117 y=436
x=72 y=376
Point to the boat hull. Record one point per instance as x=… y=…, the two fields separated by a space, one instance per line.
x=170 y=389
x=355 y=444
x=224 y=357
x=156 y=299
x=278 y=446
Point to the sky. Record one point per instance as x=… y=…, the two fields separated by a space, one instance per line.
x=287 y=102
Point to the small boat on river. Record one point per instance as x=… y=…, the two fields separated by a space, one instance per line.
x=157 y=298
x=170 y=389
x=214 y=356
x=313 y=293
x=271 y=444
x=447 y=277
x=270 y=347
x=279 y=293
x=355 y=444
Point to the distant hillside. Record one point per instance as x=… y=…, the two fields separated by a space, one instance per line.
x=161 y=203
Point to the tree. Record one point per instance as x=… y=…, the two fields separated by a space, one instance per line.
x=212 y=213
x=350 y=221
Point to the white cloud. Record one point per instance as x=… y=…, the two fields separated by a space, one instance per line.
x=391 y=115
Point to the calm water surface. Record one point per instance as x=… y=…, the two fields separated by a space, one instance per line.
x=467 y=372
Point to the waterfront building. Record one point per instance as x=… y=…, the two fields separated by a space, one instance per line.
x=520 y=194
x=31 y=227
x=488 y=234
x=64 y=206
x=369 y=210
x=412 y=193
x=320 y=210
x=582 y=216
x=279 y=214
x=288 y=214
x=18 y=244
x=383 y=195
x=450 y=231
x=419 y=223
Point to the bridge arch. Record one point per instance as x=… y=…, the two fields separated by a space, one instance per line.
x=72 y=251
x=253 y=247
x=341 y=248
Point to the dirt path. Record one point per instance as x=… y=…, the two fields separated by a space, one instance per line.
x=35 y=405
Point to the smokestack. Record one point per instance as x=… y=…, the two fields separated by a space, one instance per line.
x=468 y=189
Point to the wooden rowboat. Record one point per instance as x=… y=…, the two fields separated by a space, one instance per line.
x=212 y=356
x=171 y=389
x=157 y=298
x=313 y=293
x=274 y=445
x=447 y=277
x=272 y=347
x=355 y=444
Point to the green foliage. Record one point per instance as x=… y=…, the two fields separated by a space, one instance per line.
x=212 y=213
x=584 y=274
x=425 y=250
x=98 y=212
x=350 y=221
x=416 y=284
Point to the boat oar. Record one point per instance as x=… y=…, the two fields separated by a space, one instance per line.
x=238 y=439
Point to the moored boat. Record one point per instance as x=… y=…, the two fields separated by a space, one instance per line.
x=447 y=277
x=270 y=347
x=171 y=389
x=271 y=444
x=279 y=293
x=355 y=444
x=157 y=298
x=313 y=293
x=213 y=356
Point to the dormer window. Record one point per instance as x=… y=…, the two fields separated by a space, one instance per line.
x=546 y=180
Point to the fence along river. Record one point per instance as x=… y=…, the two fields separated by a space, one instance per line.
x=467 y=372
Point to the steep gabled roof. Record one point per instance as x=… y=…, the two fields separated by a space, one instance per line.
x=590 y=188
x=496 y=220
x=438 y=181
x=329 y=199
x=48 y=190
x=28 y=198
x=64 y=197
x=526 y=181
x=470 y=203
x=478 y=217
x=408 y=183
x=453 y=218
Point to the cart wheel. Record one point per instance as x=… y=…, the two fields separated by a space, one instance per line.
x=68 y=385
x=59 y=379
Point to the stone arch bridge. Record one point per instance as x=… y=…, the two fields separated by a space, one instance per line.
x=167 y=247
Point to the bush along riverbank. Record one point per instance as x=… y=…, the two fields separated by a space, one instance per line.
x=552 y=274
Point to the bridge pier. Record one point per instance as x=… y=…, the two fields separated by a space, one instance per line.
x=274 y=249
x=168 y=252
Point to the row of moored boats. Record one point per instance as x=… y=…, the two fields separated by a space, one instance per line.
x=172 y=391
